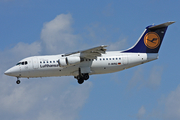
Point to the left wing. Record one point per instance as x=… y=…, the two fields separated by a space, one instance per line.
x=91 y=53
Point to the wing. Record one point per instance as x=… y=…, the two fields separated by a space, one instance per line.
x=91 y=53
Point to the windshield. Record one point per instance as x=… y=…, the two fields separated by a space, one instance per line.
x=22 y=63
x=18 y=63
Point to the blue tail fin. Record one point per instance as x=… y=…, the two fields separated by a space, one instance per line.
x=151 y=39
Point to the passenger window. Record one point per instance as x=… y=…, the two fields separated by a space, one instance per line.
x=103 y=59
x=44 y=62
x=119 y=58
x=47 y=61
x=100 y=59
x=40 y=62
x=50 y=62
x=106 y=58
x=113 y=58
x=53 y=61
x=109 y=58
x=116 y=58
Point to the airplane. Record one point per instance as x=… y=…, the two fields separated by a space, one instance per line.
x=97 y=60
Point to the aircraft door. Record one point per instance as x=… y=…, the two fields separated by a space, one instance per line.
x=20 y=68
x=35 y=63
x=125 y=59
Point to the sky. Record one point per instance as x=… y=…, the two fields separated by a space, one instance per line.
x=42 y=27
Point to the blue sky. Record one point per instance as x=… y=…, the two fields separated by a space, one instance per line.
x=147 y=92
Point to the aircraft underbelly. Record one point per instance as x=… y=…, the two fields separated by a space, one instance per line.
x=128 y=61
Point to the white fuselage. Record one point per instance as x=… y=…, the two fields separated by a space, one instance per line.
x=96 y=60
x=46 y=66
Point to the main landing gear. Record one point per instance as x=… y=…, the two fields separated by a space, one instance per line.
x=82 y=77
x=18 y=81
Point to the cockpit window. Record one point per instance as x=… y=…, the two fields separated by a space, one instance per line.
x=22 y=63
x=18 y=63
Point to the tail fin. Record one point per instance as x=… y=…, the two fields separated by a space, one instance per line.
x=151 y=39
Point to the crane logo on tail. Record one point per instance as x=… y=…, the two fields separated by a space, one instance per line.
x=152 y=40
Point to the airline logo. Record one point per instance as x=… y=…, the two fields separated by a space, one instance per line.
x=152 y=40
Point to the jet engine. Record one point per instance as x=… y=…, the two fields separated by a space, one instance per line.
x=67 y=61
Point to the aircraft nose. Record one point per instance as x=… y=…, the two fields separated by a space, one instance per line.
x=8 y=72
x=12 y=71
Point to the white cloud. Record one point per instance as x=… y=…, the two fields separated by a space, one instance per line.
x=172 y=105
x=24 y=49
x=168 y=107
x=53 y=98
x=137 y=79
x=155 y=77
x=68 y=104
x=57 y=35
x=141 y=113
x=119 y=45
x=153 y=81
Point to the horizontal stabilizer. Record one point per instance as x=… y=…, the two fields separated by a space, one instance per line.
x=161 y=25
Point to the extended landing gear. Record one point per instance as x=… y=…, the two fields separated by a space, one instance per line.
x=86 y=76
x=80 y=80
x=82 y=77
x=18 y=81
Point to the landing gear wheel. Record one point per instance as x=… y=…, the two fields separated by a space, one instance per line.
x=18 y=81
x=86 y=76
x=80 y=81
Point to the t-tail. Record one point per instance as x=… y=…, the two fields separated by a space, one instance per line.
x=151 y=39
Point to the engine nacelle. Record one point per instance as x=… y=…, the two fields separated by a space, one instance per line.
x=73 y=60
x=67 y=61
x=62 y=62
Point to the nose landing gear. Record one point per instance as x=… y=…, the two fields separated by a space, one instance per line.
x=18 y=81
